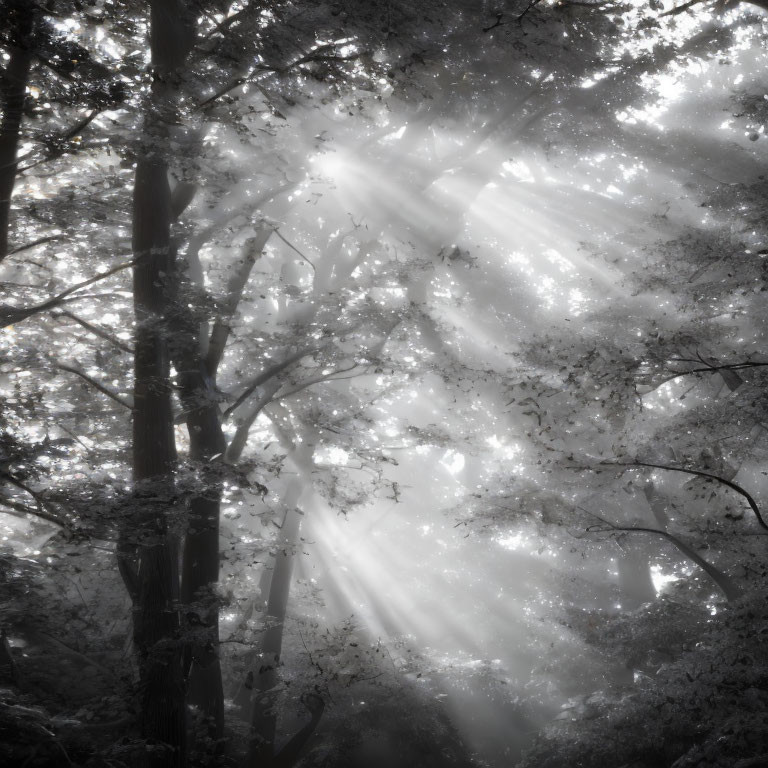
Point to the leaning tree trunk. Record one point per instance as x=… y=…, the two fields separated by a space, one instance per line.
x=156 y=615
x=19 y=22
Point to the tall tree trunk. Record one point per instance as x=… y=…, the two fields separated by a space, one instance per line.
x=156 y=614
x=264 y=714
x=20 y=22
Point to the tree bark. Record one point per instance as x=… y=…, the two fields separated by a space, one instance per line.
x=14 y=86
x=156 y=613
x=156 y=616
x=200 y=563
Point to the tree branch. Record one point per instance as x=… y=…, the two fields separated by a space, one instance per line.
x=265 y=376
x=42 y=511
x=728 y=587
x=240 y=440
x=289 y=754
x=55 y=145
x=698 y=473
x=682 y=8
x=96 y=331
x=315 y=55
x=332 y=376
x=235 y=288
x=294 y=248
x=22 y=509
x=97 y=385
x=11 y=315
x=39 y=241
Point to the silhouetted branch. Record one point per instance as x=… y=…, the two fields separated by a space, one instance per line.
x=722 y=580
x=56 y=145
x=497 y=23
x=530 y=7
x=39 y=241
x=682 y=8
x=698 y=473
x=716 y=368
x=41 y=510
x=294 y=248
x=240 y=439
x=313 y=56
x=265 y=376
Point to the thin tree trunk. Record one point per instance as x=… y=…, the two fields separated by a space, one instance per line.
x=264 y=714
x=15 y=77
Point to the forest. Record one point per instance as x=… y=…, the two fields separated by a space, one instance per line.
x=382 y=384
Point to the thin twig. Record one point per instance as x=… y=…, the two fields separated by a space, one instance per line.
x=682 y=8
x=11 y=315
x=265 y=376
x=39 y=241
x=332 y=376
x=55 y=151
x=96 y=385
x=293 y=247
x=42 y=511
x=715 y=368
x=96 y=331
x=531 y=5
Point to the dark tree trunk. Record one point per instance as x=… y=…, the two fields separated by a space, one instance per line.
x=156 y=612
x=20 y=22
x=200 y=564
x=156 y=615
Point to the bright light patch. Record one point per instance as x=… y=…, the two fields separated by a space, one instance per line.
x=513 y=542
x=518 y=170
x=332 y=454
x=661 y=579
x=453 y=461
